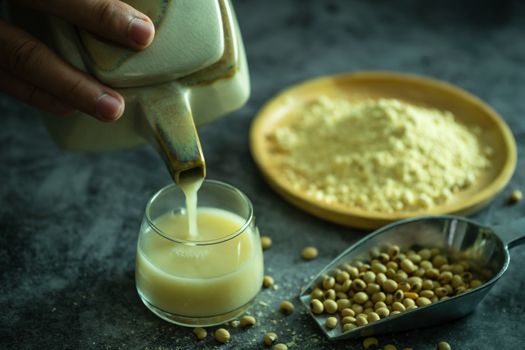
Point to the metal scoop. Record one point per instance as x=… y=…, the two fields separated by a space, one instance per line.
x=487 y=247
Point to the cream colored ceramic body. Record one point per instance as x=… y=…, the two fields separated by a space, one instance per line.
x=197 y=52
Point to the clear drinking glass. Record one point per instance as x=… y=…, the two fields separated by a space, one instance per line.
x=199 y=281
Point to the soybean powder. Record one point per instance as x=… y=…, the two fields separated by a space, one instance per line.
x=379 y=155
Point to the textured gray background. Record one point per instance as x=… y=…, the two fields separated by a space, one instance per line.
x=68 y=222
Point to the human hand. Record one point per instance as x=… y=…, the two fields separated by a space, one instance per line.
x=30 y=71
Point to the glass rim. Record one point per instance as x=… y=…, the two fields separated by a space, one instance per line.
x=248 y=219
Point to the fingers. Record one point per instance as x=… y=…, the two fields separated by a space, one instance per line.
x=29 y=60
x=111 y=19
x=32 y=95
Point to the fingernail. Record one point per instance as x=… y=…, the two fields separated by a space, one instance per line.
x=141 y=32
x=109 y=108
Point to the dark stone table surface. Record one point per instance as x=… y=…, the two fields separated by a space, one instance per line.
x=69 y=222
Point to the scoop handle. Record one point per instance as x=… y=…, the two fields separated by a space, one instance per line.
x=512 y=233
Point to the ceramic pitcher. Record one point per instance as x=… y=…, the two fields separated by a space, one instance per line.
x=193 y=72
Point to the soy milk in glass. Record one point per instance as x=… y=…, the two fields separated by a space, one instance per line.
x=205 y=277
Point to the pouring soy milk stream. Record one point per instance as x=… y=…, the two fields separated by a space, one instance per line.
x=195 y=265
x=190 y=186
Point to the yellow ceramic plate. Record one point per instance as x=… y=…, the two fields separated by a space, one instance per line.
x=468 y=110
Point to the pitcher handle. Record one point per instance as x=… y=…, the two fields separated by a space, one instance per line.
x=168 y=112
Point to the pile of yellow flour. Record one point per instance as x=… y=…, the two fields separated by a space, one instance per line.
x=380 y=155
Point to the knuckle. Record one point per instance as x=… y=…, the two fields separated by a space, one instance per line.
x=105 y=13
x=24 y=54
x=74 y=89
